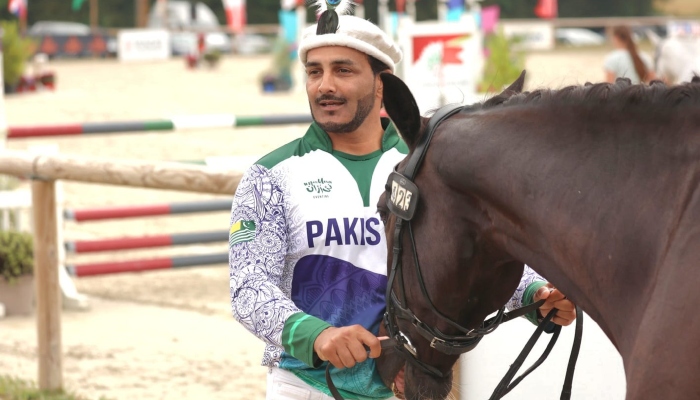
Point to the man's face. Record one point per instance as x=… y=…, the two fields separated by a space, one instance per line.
x=341 y=88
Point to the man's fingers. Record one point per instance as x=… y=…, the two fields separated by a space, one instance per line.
x=570 y=315
x=358 y=351
x=542 y=293
x=347 y=346
x=564 y=305
x=555 y=296
x=346 y=357
x=562 y=321
x=335 y=360
x=372 y=342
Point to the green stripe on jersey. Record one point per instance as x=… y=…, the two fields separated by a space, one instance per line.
x=361 y=168
x=298 y=336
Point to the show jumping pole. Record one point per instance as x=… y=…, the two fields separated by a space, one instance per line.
x=142 y=242
x=120 y=212
x=188 y=122
x=146 y=265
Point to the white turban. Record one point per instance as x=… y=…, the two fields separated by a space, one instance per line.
x=355 y=33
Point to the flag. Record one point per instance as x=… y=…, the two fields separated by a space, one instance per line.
x=400 y=6
x=546 y=9
x=455 y=9
x=289 y=22
x=77 y=4
x=17 y=7
x=241 y=231
x=235 y=14
x=489 y=18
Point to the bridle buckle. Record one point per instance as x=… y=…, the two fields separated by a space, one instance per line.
x=408 y=345
x=435 y=341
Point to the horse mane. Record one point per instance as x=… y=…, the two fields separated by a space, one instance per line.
x=621 y=94
x=651 y=98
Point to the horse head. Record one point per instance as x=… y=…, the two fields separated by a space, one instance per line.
x=444 y=239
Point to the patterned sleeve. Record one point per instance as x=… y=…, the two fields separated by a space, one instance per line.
x=257 y=250
x=529 y=277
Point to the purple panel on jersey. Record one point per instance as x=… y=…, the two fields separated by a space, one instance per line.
x=338 y=292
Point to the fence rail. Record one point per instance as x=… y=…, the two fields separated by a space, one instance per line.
x=156 y=175
x=44 y=171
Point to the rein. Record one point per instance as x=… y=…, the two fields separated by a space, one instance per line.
x=402 y=203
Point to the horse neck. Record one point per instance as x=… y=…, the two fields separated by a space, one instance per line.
x=583 y=202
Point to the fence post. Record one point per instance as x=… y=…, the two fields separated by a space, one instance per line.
x=48 y=294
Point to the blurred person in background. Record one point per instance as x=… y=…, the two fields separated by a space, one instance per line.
x=626 y=61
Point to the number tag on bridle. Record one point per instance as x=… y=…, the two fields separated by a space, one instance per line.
x=404 y=196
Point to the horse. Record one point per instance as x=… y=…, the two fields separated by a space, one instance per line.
x=676 y=59
x=594 y=186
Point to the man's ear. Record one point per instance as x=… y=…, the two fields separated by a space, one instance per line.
x=380 y=85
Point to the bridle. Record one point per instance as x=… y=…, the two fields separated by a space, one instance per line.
x=402 y=203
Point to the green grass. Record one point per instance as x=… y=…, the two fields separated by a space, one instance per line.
x=18 y=389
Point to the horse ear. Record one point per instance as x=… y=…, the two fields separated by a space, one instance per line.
x=518 y=85
x=401 y=106
x=514 y=88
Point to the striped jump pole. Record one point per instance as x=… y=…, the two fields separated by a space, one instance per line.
x=126 y=243
x=186 y=122
x=145 y=265
x=101 y=213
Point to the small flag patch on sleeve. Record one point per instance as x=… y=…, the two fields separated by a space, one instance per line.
x=241 y=231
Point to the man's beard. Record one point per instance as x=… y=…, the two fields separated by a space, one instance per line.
x=364 y=107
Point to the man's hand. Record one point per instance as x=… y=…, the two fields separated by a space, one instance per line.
x=555 y=299
x=343 y=347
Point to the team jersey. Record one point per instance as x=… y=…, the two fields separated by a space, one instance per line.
x=307 y=250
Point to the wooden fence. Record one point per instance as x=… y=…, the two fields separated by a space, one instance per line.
x=44 y=170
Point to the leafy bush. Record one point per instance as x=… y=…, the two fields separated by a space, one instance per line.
x=212 y=57
x=16 y=51
x=503 y=64
x=16 y=255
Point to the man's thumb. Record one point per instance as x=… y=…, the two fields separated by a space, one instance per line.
x=542 y=293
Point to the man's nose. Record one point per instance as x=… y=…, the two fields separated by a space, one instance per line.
x=327 y=84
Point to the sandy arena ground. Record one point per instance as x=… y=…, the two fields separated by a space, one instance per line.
x=169 y=334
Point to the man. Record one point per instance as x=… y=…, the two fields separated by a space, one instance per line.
x=307 y=249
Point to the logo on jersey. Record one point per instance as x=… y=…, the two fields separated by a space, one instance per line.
x=319 y=187
x=346 y=231
x=241 y=231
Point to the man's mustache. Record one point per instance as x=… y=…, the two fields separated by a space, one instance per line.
x=329 y=98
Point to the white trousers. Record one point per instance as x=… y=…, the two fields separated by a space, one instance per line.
x=284 y=385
